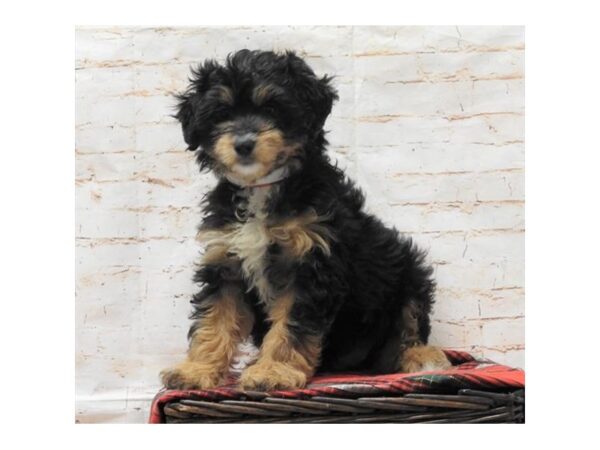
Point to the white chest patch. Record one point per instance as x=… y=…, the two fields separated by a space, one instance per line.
x=249 y=242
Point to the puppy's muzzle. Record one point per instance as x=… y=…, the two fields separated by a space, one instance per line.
x=244 y=144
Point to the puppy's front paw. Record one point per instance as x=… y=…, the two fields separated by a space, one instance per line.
x=424 y=358
x=270 y=376
x=191 y=376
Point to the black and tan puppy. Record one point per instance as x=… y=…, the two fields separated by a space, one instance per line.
x=291 y=257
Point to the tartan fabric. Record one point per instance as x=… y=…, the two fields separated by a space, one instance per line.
x=467 y=373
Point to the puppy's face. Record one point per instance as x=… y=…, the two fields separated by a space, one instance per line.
x=258 y=112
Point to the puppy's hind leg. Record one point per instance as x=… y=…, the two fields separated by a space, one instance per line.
x=416 y=356
x=406 y=348
x=423 y=358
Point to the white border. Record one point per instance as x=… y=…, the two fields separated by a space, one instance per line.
x=37 y=239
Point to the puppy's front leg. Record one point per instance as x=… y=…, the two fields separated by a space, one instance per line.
x=286 y=360
x=225 y=321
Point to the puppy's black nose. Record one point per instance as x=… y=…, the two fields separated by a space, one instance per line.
x=244 y=145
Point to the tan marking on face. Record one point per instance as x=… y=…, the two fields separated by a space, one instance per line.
x=261 y=94
x=270 y=151
x=270 y=144
x=284 y=362
x=226 y=95
x=224 y=151
x=299 y=235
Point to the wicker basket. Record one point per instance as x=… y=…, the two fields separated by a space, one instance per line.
x=472 y=391
x=467 y=406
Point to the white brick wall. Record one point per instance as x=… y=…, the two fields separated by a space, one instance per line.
x=430 y=123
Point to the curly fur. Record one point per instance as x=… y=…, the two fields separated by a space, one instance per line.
x=358 y=295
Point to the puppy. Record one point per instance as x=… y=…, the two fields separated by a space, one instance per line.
x=292 y=259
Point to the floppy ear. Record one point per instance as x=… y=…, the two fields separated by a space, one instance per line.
x=185 y=115
x=188 y=106
x=318 y=93
x=324 y=97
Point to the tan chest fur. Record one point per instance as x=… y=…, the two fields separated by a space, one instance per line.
x=249 y=241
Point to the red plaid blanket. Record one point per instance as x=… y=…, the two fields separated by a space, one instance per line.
x=467 y=373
